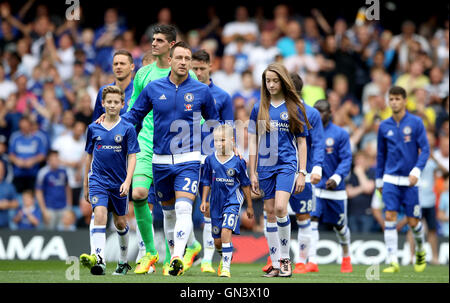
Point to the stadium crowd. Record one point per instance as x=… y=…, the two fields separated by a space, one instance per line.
x=51 y=70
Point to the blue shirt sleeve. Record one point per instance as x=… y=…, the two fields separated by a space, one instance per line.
x=305 y=131
x=226 y=112
x=132 y=142
x=253 y=120
x=208 y=108
x=206 y=176
x=243 y=176
x=381 y=153
x=98 y=108
x=141 y=107
x=345 y=155
x=422 y=142
x=89 y=148
x=317 y=142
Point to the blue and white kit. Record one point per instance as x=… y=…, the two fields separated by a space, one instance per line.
x=110 y=149
x=302 y=203
x=330 y=205
x=177 y=111
x=398 y=157
x=277 y=151
x=225 y=180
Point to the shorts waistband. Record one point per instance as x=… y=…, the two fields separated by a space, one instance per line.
x=397 y=180
x=330 y=194
x=177 y=158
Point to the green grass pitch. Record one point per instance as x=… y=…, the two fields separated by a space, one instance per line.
x=55 y=272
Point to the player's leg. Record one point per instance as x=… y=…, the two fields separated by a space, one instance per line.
x=336 y=214
x=316 y=214
x=301 y=204
x=269 y=260
x=285 y=186
x=414 y=215
x=99 y=233
x=186 y=180
x=216 y=227
x=284 y=231
x=99 y=200
x=141 y=183
x=391 y=198
x=122 y=228
x=227 y=251
x=208 y=244
x=193 y=247
x=267 y=183
x=431 y=225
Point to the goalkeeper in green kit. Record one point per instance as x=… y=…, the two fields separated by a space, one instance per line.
x=164 y=37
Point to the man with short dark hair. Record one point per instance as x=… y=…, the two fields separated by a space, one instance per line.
x=177 y=101
x=122 y=67
x=164 y=37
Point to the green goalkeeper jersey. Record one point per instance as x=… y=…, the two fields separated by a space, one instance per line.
x=144 y=76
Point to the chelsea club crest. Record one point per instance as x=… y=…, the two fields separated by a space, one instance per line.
x=188 y=97
x=231 y=172
x=118 y=138
x=284 y=116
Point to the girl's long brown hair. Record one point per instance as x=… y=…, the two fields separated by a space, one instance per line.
x=290 y=96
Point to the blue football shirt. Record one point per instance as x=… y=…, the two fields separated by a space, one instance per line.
x=225 y=180
x=277 y=148
x=109 y=149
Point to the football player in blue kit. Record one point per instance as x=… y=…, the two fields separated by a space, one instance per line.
x=277 y=159
x=225 y=175
x=178 y=102
x=111 y=158
x=302 y=203
x=331 y=197
x=402 y=152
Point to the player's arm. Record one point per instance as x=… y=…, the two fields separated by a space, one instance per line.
x=208 y=108
x=381 y=159
x=424 y=154
x=140 y=109
x=245 y=186
x=138 y=82
x=302 y=153
x=87 y=167
x=125 y=187
x=98 y=108
x=248 y=197
x=206 y=181
x=253 y=151
x=318 y=149
x=205 y=204
x=345 y=164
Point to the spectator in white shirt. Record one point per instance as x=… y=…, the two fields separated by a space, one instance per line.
x=7 y=87
x=301 y=62
x=70 y=147
x=241 y=27
x=227 y=78
x=261 y=56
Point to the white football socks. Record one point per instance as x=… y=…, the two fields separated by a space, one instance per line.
x=314 y=241
x=208 y=241
x=274 y=243
x=304 y=239
x=391 y=240
x=284 y=234
x=123 y=244
x=183 y=225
